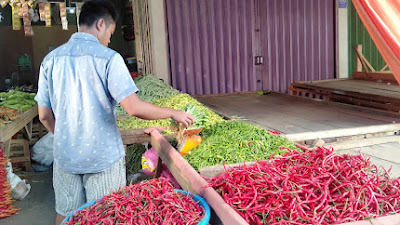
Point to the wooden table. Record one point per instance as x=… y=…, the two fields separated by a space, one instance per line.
x=22 y=122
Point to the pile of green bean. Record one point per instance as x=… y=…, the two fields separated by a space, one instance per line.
x=150 y=88
x=235 y=142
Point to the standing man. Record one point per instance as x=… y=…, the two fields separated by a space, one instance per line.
x=80 y=84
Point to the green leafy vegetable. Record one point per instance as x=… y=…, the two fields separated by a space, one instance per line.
x=17 y=100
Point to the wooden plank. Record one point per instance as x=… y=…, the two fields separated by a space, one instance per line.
x=378 y=76
x=351 y=92
x=26 y=159
x=361 y=86
x=190 y=180
x=15 y=142
x=157 y=172
x=366 y=103
x=374 y=101
x=12 y=128
x=137 y=136
x=383 y=68
x=367 y=63
x=19 y=159
x=6 y=145
x=27 y=154
x=41 y=133
x=321 y=81
x=354 y=83
x=355 y=86
x=342 y=132
x=27 y=130
x=323 y=96
x=365 y=87
x=359 y=65
x=359 y=55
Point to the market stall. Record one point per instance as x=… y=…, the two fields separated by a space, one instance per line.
x=231 y=147
x=24 y=109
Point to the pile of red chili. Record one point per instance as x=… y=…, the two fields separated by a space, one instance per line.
x=6 y=209
x=150 y=202
x=311 y=187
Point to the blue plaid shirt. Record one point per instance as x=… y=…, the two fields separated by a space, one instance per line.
x=82 y=81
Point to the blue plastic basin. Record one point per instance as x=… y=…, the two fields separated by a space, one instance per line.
x=199 y=200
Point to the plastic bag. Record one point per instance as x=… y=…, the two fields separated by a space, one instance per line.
x=149 y=161
x=149 y=164
x=42 y=151
x=19 y=188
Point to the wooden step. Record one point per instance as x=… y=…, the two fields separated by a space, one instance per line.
x=20 y=153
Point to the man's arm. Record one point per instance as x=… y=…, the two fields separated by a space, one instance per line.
x=134 y=106
x=47 y=118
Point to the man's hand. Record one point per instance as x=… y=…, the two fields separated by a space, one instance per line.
x=182 y=117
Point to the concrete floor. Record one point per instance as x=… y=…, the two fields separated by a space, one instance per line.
x=37 y=208
x=385 y=155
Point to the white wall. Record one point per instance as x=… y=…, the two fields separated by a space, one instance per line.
x=342 y=42
x=159 y=40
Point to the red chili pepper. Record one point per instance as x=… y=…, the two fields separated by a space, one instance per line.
x=157 y=204
x=315 y=186
x=6 y=209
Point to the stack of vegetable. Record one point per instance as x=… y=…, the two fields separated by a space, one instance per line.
x=179 y=102
x=6 y=209
x=312 y=187
x=151 y=88
x=18 y=100
x=150 y=202
x=7 y=115
x=235 y=142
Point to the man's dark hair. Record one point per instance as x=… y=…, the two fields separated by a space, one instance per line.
x=93 y=10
